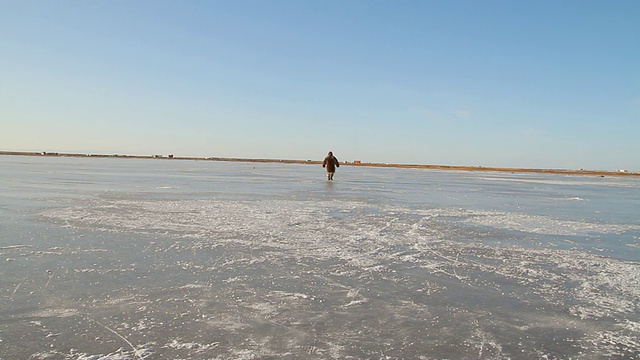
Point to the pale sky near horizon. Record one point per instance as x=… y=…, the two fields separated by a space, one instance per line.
x=533 y=84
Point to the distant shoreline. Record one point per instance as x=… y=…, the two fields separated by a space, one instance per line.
x=315 y=162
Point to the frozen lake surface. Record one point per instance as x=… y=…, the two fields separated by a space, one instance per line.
x=168 y=259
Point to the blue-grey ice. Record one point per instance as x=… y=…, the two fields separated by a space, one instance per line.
x=171 y=259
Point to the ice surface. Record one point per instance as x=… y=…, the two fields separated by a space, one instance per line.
x=153 y=259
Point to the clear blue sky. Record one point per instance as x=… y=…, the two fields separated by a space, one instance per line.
x=536 y=84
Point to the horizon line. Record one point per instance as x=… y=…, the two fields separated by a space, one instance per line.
x=350 y=163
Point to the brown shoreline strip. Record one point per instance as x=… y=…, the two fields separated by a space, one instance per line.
x=405 y=166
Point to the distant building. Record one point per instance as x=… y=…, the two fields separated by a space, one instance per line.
x=357 y=162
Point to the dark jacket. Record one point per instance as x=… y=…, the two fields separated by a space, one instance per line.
x=331 y=163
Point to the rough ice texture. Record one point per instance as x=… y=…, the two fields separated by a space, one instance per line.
x=158 y=275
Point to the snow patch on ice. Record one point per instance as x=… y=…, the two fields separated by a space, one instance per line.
x=197 y=347
x=537 y=224
x=62 y=313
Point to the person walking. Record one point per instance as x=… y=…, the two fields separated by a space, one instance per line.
x=330 y=163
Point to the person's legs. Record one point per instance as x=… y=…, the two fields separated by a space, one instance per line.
x=329 y=176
